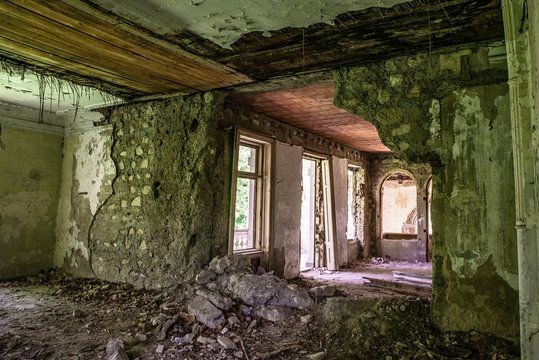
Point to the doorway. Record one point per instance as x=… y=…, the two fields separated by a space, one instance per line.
x=308 y=202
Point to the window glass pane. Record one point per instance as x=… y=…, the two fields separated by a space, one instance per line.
x=244 y=225
x=247 y=159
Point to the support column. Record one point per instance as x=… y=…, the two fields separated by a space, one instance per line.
x=517 y=36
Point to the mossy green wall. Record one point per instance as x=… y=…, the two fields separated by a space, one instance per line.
x=168 y=212
x=30 y=167
x=453 y=109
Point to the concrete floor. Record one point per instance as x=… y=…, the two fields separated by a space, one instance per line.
x=350 y=281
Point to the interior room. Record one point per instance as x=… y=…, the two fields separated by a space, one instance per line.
x=269 y=180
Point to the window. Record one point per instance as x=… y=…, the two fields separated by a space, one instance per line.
x=399 y=205
x=250 y=225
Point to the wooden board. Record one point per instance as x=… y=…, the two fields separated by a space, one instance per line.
x=80 y=38
x=400 y=287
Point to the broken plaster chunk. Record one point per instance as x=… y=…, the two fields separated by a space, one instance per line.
x=136 y=201
x=226 y=342
x=205 y=312
x=323 y=291
x=273 y=313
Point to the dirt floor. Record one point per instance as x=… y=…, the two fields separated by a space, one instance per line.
x=56 y=317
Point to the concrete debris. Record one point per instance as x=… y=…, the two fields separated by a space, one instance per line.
x=162 y=329
x=230 y=264
x=323 y=291
x=115 y=350
x=218 y=300
x=273 y=313
x=226 y=343
x=256 y=290
x=206 y=312
x=205 y=276
x=140 y=337
x=205 y=340
x=318 y=356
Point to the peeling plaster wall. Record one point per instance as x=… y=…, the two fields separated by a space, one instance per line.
x=287 y=209
x=30 y=168
x=340 y=199
x=453 y=108
x=87 y=174
x=474 y=238
x=168 y=213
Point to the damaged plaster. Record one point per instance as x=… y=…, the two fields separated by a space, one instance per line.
x=87 y=175
x=224 y=22
x=457 y=108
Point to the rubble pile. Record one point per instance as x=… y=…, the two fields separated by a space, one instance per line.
x=226 y=312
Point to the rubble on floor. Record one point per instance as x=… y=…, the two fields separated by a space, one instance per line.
x=228 y=312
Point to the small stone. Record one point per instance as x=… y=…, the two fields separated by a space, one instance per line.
x=139 y=151
x=144 y=164
x=323 y=291
x=140 y=337
x=226 y=343
x=233 y=320
x=204 y=340
x=246 y=309
x=205 y=276
x=160 y=348
x=113 y=345
x=317 y=356
x=136 y=201
x=251 y=326
x=306 y=319
x=273 y=313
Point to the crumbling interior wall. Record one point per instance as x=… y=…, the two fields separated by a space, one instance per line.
x=168 y=212
x=30 y=167
x=87 y=174
x=452 y=108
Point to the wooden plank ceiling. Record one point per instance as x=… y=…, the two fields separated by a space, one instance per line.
x=357 y=37
x=76 y=40
x=311 y=108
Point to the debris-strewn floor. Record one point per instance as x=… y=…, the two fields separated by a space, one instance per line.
x=350 y=281
x=54 y=317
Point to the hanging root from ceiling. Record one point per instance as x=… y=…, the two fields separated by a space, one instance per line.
x=50 y=83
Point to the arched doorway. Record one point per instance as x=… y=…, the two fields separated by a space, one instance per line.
x=399 y=217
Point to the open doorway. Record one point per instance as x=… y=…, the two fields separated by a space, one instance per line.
x=398 y=198
x=308 y=206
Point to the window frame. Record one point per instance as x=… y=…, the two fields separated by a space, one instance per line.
x=262 y=176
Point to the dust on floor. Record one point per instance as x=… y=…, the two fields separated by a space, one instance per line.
x=351 y=280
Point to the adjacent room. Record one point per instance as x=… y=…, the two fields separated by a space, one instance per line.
x=269 y=180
